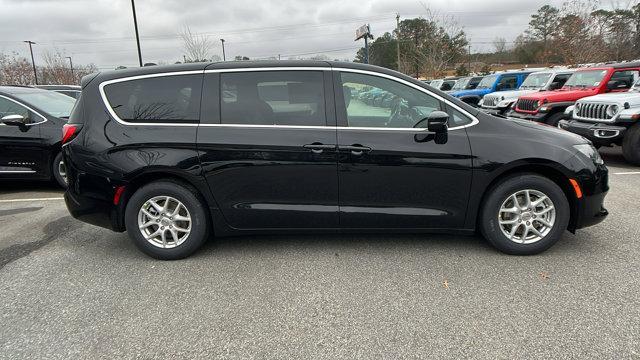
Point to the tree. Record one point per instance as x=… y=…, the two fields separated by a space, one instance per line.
x=542 y=27
x=197 y=48
x=500 y=45
x=382 y=52
x=56 y=69
x=15 y=70
x=486 y=70
x=462 y=70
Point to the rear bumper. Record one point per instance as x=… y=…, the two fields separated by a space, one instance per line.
x=93 y=211
x=598 y=133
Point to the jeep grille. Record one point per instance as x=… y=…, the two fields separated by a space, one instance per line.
x=490 y=101
x=593 y=111
x=527 y=104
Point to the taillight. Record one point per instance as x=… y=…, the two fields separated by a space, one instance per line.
x=69 y=132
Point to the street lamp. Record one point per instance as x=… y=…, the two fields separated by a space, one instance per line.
x=224 y=58
x=135 y=25
x=35 y=73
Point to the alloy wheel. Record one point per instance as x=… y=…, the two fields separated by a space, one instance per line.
x=164 y=222
x=526 y=216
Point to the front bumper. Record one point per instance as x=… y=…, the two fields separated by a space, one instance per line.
x=599 y=133
x=539 y=116
x=591 y=210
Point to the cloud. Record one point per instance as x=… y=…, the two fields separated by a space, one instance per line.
x=101 y=31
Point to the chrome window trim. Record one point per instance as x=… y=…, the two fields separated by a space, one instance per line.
x=473 y=122
x=44 y=118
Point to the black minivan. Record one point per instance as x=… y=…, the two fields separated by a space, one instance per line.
x=175 y=154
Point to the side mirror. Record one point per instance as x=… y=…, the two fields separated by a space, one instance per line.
x=13 y=120
x=437 y=122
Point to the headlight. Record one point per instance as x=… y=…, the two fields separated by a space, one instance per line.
x=589 y=151
x=538 y=103
x=578 y=106
x=612 y=110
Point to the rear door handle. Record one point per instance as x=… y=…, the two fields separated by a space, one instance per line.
x=318 y=148
x=356 y=149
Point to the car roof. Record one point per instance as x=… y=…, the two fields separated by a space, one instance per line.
x=59 y=87
x=19 y=89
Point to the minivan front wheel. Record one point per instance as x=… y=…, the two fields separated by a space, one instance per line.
x=166 y=220
x=524 y=214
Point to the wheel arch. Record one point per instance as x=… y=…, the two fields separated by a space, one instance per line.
x=140 y=180
x=550 y=170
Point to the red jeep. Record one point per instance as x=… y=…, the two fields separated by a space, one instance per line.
x=549 y=106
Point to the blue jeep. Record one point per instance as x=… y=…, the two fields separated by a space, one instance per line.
x=509 y=80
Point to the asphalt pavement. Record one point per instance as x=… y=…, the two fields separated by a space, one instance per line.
x=69 y=290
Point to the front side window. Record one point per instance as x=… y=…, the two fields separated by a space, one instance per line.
x=273 y=98
x=624 y=79
x=508 y=82
x=174 y=98
x=373 y=101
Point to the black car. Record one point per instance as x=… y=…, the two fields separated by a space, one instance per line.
x=174 y=154
x=69 y=90
x=31 y=123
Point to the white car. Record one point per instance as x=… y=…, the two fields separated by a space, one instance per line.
x=501 y=101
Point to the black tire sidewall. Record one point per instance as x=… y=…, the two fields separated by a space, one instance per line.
x=186 y=195
x=631 y=145
x=554 y=119
x=55 y=171
x=490 y=227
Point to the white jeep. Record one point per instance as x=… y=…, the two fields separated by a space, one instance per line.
x=500 y=102
x=609 y=119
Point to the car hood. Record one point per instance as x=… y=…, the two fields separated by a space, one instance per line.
x=512 y=94
x=477 y=92
x=633 y=98
x=561 y=95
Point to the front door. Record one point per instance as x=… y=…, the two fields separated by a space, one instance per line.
x=392 y=173
x=21 y=151
x=268 y=148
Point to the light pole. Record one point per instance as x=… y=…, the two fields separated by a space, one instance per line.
x=135 y=25
x=71 y=65
x=224 y=58
x=35 y=73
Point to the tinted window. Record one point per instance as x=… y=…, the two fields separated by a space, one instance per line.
x=160 y=99
x=508 y=82
x=8 y=107
x=273 y=98
x=625 y=79
x=372 y=101
x=49 y=101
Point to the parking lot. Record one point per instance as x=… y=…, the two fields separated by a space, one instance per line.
x=71 y=290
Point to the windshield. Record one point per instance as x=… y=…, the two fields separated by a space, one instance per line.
x=461 y=84
x=535 y=81
x=51 y=102
x=636 y=86
x=436 y=83
x=487 y=82
x=587 y=78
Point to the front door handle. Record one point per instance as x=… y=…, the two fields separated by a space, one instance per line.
x=356 y=149
x=318 y=148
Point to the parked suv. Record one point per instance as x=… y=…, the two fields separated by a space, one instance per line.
x=549 y=106
x=444 y=84
x=504 y=81
x=173 y=154
x=609 y=119
x=466 y=83
x=500 y=102
x=31 y=122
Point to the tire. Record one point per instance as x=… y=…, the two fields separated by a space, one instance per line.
x=500 y=194
x=58 y=169
x=193 y=208
x=631 y=145
x=554 y=119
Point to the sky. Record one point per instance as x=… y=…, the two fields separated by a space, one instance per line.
x=102 y=32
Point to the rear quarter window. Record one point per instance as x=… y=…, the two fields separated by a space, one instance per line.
x=171 y=98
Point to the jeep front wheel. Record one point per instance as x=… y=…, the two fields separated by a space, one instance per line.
x=631 y=145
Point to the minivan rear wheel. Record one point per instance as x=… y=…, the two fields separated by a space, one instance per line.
x=59 y=170
x=166 y=220
x=524 y=214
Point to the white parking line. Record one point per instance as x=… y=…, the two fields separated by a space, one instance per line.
x=27 y=200
x=627 y=173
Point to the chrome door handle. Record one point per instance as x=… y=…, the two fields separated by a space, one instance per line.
x=356 y=149
x=318 y=148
